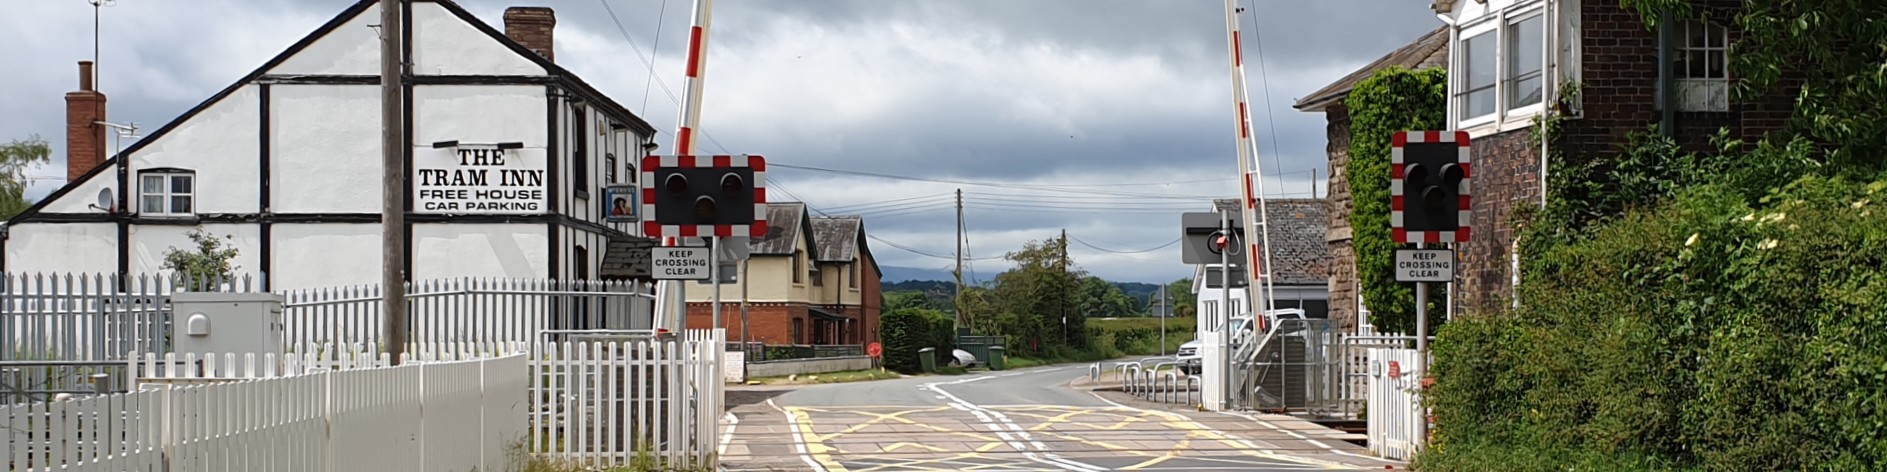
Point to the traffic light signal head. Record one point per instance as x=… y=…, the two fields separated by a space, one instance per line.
x=1430 y=188
x=705 y=196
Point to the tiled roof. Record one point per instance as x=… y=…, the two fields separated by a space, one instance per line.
x=1430 y=50
x=1299 y=255
x=785 y=220
x=836 y=237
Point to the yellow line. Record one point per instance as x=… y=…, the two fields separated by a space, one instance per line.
x=1063 y=418
x=817 y=449
x=902 y=445
x=928 y=426
x=855 y=428
x=1152 y=462
x=966 y=455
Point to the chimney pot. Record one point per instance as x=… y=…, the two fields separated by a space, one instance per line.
x=532 y=27
x=85 y=75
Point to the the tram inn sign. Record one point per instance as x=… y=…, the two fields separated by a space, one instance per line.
x=502 y=179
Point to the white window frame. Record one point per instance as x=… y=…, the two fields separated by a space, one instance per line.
x=1691 y=91
x=1499 y=22
x=165 y=193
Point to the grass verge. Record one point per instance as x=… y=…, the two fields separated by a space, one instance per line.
x=830 y=377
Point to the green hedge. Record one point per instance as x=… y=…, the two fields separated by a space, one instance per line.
x=1712 y=332
x=908 y=330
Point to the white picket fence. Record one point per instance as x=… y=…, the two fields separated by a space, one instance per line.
x=598 y=404
x=1395 y=409
x=430 y=416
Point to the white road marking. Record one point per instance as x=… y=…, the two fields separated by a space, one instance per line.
x=998 y=422
x=799 y=441
x=728 y=437
x=1294 y=434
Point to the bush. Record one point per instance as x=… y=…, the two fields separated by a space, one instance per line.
x=906 y=331
x=1711 y=332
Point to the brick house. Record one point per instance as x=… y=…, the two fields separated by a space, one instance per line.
x=809 y=281
x=1508 y=61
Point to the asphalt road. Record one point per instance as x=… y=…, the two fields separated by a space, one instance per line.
x=1013 y=420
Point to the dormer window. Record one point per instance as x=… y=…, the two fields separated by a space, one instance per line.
x=167 y=192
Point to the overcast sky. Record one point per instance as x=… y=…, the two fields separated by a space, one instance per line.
x=1106 y=118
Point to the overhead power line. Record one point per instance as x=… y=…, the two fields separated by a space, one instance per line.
x=1115 y=251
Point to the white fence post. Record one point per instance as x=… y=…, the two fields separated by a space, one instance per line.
x=1394 y=403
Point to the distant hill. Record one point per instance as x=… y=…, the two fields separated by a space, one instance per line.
x=1141 y=292
x=889 y=274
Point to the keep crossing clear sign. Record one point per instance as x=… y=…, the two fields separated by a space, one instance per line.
x=679 y=263
x=1425 y=265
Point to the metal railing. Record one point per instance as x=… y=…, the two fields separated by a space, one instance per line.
x=471 y=309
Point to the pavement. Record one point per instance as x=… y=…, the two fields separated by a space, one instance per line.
x=1028 y=419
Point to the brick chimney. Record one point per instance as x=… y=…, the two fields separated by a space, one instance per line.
x=85 y=138
x=531 y=27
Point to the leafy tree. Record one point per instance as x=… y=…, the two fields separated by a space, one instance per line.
x=1101 y=298
x=210 y=260
x=15 y=158
x=1394 y=99
x=1179 y=293
x=1028 y=302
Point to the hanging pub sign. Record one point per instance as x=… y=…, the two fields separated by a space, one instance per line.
x=467 y=179
x=620 y=203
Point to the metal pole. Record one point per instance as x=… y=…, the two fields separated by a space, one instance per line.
x=744 y=338
x=1421 y=350
x=1225 y=312
x=393 y=180
x=714 y=276
x=1162 y=314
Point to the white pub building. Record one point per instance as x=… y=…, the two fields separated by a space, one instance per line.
x=507 y=173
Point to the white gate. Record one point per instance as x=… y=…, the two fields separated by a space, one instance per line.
x=610 y=403
x=1395 y=410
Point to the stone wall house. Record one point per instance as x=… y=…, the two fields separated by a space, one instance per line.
x=1430 y=50
x=1509 y=62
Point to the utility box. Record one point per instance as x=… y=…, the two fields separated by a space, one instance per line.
x=218 y=323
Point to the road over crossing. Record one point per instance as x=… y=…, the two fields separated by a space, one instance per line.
x=1016 y=420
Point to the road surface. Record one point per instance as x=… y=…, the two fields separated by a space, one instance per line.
x=1014 y=420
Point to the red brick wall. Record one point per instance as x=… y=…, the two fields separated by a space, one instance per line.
x=1506 y=176
x=871 y=294
x=85 y=139
x=772 y=323
x=533 y=28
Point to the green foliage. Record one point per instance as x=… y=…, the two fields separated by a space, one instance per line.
x=1831 y=50
x=909 y=330
x=1141 y=336
x=1027 y=303
x=1392 y=100
x=1102 y=299
x=1710 y=331
x=1185 y=303
x=15 y=158
x=210 y=260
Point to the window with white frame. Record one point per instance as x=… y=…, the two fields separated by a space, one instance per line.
x=1525 y=61
x=1701 y=66
x=167 y=192
x=1501 y=64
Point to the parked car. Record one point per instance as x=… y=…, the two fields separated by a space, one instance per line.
x=1188 y=355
